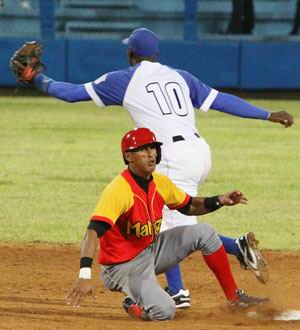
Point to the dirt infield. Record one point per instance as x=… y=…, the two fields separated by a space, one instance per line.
x=35 y=279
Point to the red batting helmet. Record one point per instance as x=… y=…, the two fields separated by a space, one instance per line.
x=139 y=137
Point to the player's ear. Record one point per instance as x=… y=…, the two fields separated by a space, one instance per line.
x=127 y=155
x=130 y=56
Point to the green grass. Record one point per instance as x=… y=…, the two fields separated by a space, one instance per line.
x=55 y=159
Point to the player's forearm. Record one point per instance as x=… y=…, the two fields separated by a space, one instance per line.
x=64 y=91
x=197 y=206
x=89 y=244
x=88 y=250
x=237 y=107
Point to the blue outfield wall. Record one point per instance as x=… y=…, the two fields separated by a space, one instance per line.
x=89 y=59
x=270 y=65
x=221 y=64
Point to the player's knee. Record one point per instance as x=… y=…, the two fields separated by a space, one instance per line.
x=164 y=312
x=209 y=240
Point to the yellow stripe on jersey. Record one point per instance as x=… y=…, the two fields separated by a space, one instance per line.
x=116 y=199
x=173 y=196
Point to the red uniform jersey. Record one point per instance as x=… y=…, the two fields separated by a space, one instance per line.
x=134 y=215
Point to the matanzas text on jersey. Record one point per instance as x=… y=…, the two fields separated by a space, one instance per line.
x=145 y=230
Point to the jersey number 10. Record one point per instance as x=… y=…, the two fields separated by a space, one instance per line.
x=170 y=98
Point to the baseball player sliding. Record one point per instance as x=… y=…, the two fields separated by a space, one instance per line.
x=127 y=222
x=162 y=99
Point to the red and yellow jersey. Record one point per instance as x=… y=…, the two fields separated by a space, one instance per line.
x=135 y=216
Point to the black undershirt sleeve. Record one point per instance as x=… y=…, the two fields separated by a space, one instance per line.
x=100 y=227
x=184 y=210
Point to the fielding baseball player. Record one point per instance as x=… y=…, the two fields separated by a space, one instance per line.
x=162 y=99
x=127 y=221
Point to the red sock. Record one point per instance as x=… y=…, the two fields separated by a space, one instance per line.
x=218 y=262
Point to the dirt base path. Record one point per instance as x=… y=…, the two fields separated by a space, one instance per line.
x=35 y=279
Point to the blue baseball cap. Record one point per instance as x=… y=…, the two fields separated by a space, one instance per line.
x=142 y=42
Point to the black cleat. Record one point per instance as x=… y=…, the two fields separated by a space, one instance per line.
x=251 y=258
x=244 y=301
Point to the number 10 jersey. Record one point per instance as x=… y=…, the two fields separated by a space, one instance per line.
x=156 y=96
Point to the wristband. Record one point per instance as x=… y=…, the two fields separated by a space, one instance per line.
x=212 y=203
x=86 y=262
x=85 y=273
x=41 y=82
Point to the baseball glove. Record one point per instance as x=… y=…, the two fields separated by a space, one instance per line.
x=25 y=63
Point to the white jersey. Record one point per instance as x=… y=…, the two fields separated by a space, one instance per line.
x=156 y=96
x=163 y=99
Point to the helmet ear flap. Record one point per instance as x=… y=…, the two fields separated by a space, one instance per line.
x=158 y=154
x=125 y=161
x=124 y=158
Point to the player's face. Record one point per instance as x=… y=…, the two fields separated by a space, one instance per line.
x=142 y=161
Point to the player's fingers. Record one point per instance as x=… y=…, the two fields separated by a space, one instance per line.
x=289 y=122
x=283 y=122
x=69 y=296
x=76 y=300
x=70 y=300
x=243 y=201
x=226 y=200
x=73 y=297
x=234 y=195
x=80 y=299
x=242 y=196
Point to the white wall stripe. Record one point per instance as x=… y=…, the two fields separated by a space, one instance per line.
x=89 y=88
x=209 y=100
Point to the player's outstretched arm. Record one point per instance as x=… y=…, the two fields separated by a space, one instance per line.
x=61 y=90
x=201 y=205
x=236 y=106
x=83 y=285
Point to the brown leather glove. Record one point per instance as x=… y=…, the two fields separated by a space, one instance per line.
x=25 y=63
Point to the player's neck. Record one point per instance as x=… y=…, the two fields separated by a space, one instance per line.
x=139 y=173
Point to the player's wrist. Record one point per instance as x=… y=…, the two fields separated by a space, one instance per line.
x=85 y=271
x=212 y=203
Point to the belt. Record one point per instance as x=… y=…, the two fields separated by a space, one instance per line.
x=177 y=138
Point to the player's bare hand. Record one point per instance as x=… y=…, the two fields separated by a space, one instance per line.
x=232 y=198
x=80 y=289
x=282 y=117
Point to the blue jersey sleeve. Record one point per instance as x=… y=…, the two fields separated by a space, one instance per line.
x=201 y=94
x=61 y=90
x=205 y=97
x=110 y=88
x=237 y=107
